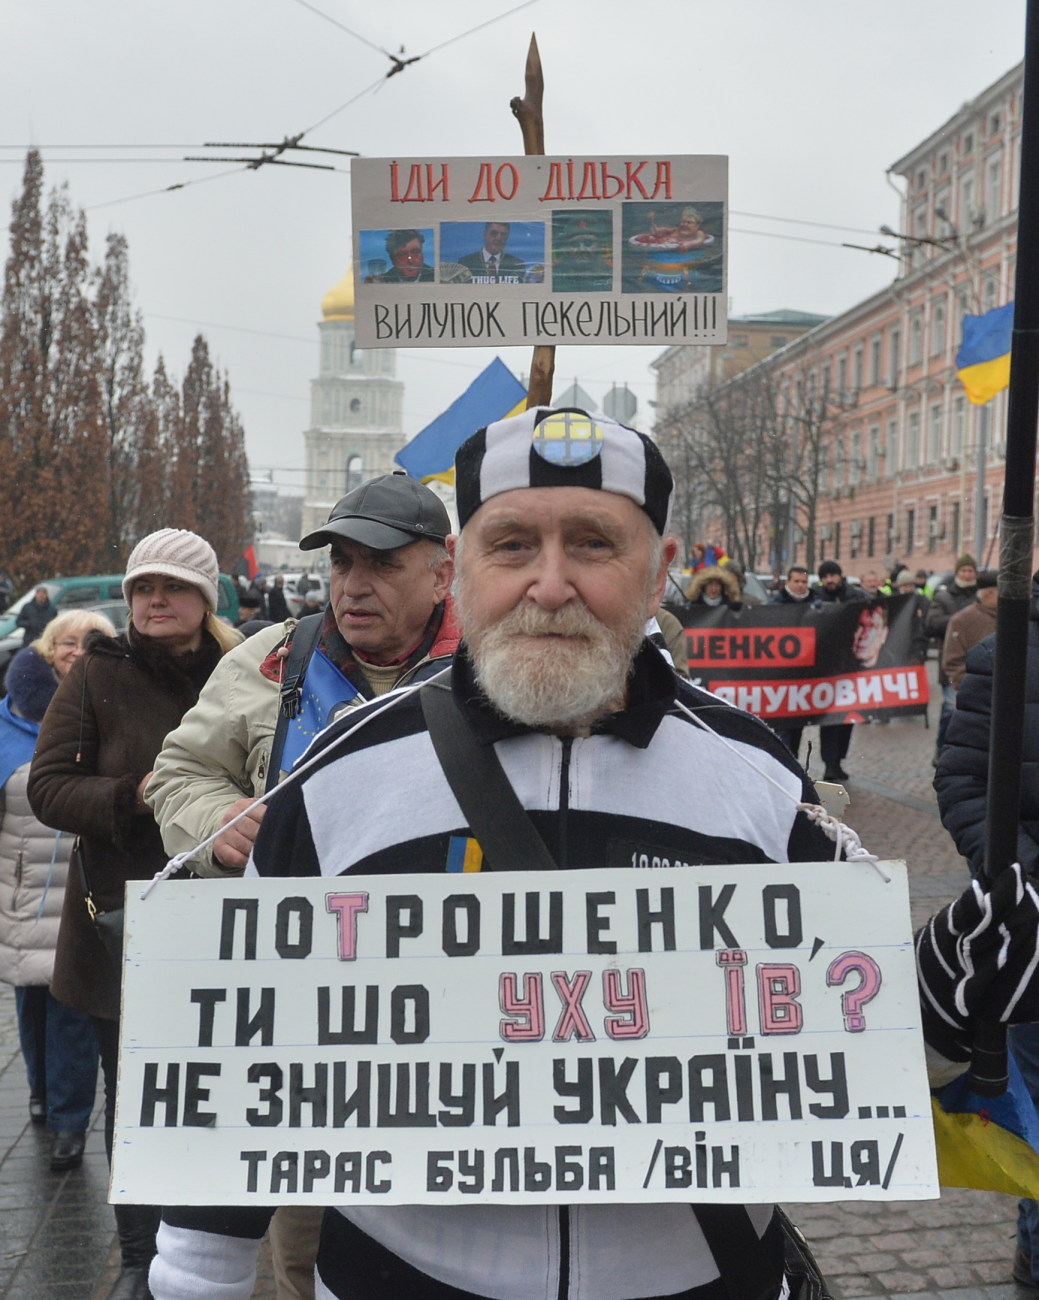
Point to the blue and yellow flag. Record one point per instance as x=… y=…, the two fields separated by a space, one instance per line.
x=988 y=1143
x=323 y=688
x=494 y=394
x=983 y=361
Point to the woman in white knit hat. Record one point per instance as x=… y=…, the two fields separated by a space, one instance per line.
x=93 y=759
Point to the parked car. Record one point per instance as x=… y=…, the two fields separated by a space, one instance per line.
x=95 y=589
x=317 y=583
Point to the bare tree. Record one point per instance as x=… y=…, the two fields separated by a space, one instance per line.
x=753 y=455
x=91 y=459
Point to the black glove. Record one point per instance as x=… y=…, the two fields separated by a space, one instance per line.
x=977 y=960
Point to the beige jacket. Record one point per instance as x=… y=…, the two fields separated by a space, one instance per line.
x=220 y=752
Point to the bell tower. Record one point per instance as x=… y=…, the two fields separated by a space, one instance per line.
x=355 y=410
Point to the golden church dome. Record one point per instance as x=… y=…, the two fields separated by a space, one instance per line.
x=338 y=302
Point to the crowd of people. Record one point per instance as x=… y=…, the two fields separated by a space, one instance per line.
x=949 y=616
x=535 y=624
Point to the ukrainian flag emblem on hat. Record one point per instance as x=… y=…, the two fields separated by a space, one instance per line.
x=568 y=438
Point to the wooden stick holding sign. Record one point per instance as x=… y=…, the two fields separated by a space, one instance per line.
x=527 y=112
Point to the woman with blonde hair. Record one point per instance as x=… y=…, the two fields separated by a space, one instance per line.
x=58 y=1043
x=94 y=757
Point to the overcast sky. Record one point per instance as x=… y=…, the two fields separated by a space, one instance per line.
x=812 y=100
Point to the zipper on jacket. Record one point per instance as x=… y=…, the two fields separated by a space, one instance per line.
x=564 y=800
x=564 y=1253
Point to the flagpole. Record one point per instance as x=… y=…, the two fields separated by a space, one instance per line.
x=527 y=112
x=988 y=1072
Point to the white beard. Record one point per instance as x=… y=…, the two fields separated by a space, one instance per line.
x=534 y=677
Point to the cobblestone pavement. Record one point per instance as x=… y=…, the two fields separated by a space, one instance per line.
x=56 y=1232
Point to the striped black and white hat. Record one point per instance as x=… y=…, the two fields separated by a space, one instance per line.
x=544 y=447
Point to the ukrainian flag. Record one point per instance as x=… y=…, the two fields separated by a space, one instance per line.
x=988 y=1143
x=983 y=361
x=493 y=395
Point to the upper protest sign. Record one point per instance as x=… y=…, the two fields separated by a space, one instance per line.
x=672 y=1033
x=476 y=252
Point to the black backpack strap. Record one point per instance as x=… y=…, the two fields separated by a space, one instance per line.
x=742 y=1260
x=494 y=814
x=304 y=639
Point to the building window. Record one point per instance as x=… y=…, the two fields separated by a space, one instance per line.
x=955 y=525
x=938 y=330
x=874 y=361
x=912 y=460
x=837 y=538
x=855 y=469
x=354 y=473
x=738 y=341
x=838 y=465
x=932 y=529
x=891 y=456
x=856 y=368
x=842 y=374
x=967 y=213
x=890 y=531
x=916 y=339
x=968 y=143
x=894 y=349
x=934 y=435
x=959 y=424
x=355 y=404
x=910 y=530
x=992 y=179
x=873 y=456
x=871 y=537
x=943 y=163
x=778 y=341
x=994 y=123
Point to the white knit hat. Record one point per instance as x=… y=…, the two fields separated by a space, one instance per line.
x=175 y=553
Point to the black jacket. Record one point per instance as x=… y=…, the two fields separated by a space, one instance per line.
x=841 y=594
x=962 y=776
x=34 y=618
x=783 y=597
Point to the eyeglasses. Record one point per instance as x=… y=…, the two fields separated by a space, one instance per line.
x=69 y=645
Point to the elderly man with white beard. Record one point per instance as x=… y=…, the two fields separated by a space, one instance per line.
x=561 y=557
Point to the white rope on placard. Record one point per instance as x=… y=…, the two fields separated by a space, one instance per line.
x=843 y=836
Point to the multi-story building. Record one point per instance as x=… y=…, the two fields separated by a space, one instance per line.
x=355 y=410
x=683 y=372
x=902 y=467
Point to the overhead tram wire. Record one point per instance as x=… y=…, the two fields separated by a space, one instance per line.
x=166 y=189
x=342 y=26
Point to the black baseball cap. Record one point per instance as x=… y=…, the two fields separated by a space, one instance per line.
x=389 y=511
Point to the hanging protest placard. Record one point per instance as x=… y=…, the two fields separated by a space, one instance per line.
x=737 y=1033
x=798 y=664
x=468 y=252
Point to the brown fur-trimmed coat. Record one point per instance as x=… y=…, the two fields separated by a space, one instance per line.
x=101 y=734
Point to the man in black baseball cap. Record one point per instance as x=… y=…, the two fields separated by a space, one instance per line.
x=390 y=571
x=386 y=512
x=388 y=622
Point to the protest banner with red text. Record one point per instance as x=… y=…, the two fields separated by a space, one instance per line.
x=797 y=664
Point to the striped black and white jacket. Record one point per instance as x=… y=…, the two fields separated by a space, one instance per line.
x=648 y=781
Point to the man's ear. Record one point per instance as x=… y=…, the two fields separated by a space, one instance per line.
x=451 y=541
x=445 y=571
x=667 y=558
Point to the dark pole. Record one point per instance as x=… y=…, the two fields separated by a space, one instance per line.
x=988 y=1072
